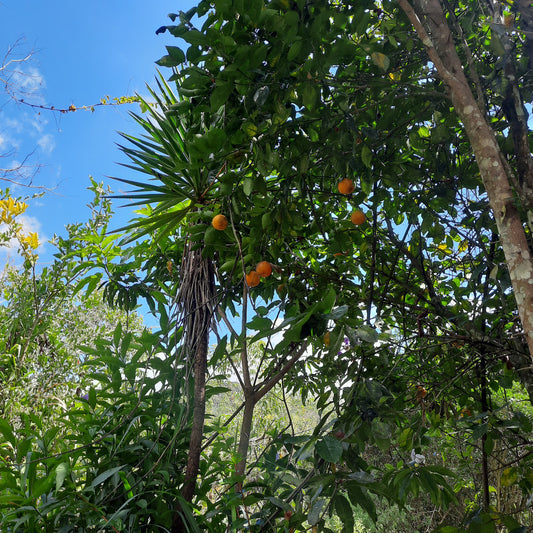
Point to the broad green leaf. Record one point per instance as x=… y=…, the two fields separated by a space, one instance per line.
x=248 y=185
x=310 y=95
x=221 y=94
x=359 y=496
x=329 y=449
x=259 y=324
x=366 y=156
x=479 y=430
x=167 y=61
x=314 y=514
x=61 y=471
x=43 y=485
x=6 y=430
x=345 y=513
x=367 y=334
x=337 y=312
x=328 y=301
x=294 y=50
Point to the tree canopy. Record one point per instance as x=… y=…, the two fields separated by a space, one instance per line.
x=374 y=158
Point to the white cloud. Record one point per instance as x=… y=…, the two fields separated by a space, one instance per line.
x=27 y=81
x=47 y=143
x=30 y=224
x=38 y=124
x=13 y=124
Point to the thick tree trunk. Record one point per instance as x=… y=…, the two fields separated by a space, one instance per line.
x=431 y=26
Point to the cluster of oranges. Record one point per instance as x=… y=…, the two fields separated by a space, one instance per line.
x=346 y=186
x=263 y=269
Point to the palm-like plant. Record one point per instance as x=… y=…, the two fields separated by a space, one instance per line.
x=175 y=193
x=177 y=182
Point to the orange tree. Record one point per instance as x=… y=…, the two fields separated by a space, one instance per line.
x=402 y=324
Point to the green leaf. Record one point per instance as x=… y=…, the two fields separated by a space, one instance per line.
x=294 y=50
x=6 y=430
x=260 y=324
x=195 y=37
x=174 y=58
x=279 y=503
x=176 y=53
x=314 y=514
x=338 y=312
x=62 y=471
x=509 y=476
x=220 y=95
x=328 y=301
x=359 y=496
x=366 y=156
x=364 y=478
x=42 y=485
x=105 y=475
x=92 y=397
x=329 y=448
x=479 y=430
x=367 y=334
x=167 y=61
x=309 y=95
x=344 y=512
x=248 y=185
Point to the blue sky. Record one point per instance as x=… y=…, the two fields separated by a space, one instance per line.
x=80 y=53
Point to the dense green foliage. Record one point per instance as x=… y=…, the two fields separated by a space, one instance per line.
x=402 y=332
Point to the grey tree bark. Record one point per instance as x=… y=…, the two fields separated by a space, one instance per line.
x=430 y=23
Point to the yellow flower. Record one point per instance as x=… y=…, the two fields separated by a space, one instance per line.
x=20 y=207
x=33 y=240
x=10 y=208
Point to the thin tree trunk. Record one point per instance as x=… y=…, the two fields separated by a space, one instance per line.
x=246 y=432
x=484 y=454
x=431 y=26
x=198 y=417
x=252 y=397
x=196 y=298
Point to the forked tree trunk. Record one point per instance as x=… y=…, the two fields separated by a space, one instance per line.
x=252 y=396
x=430 y=23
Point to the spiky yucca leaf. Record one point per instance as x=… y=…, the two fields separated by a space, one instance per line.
x=175 y=183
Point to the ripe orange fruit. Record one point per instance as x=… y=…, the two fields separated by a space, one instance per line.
x=219 y=222
x=346 y=186
x=358 y=217
x=253 y=278
x=421 y=392
x=264 y=269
